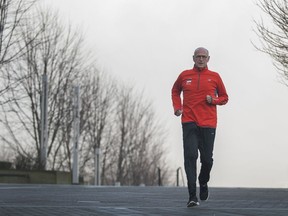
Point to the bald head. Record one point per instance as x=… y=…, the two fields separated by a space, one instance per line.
x=201 y=57
x=201 y=49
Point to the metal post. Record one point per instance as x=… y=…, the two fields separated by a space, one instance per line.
x=44 y=123
x=159 y=177
x=177 y=176
x=76 y=122
x=97 y=166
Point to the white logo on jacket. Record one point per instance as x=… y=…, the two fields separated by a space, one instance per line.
x=188 y=82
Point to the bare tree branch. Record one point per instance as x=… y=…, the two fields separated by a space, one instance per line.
x=274 y=39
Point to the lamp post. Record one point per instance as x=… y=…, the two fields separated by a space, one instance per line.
x=76 y=123
x=97 y=166
x=44 y=123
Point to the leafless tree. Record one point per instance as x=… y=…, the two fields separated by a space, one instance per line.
x=140 y=142
x=274 y=38
x=109 y=156
x=112 y=117
x=56 y=53
x=97 y=104
x=13 y=15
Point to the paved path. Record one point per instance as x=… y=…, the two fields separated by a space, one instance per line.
x=44 y=200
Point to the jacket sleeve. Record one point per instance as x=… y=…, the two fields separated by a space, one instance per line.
x=222 y=96
x=176 y=94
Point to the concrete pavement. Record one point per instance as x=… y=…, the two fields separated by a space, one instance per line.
x=44 y=200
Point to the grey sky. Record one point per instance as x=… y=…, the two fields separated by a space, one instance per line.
x=147 y=43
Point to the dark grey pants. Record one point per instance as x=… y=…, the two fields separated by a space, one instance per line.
x=197 y=138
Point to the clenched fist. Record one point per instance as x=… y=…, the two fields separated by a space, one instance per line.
x=209 y=99
x=178 y=112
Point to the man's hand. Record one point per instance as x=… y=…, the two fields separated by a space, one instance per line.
x=209 y=99
x=178 y=112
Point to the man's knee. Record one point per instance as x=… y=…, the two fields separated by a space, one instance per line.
x=207 y=163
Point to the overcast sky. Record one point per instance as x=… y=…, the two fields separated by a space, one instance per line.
x=147 y=43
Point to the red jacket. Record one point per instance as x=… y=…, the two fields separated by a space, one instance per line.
x=195 y=85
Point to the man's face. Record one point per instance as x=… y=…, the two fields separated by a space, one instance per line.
x=201 y=58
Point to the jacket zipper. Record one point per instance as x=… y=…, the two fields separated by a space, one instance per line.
x=198 y=84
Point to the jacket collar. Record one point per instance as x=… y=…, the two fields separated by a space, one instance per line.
x=200 y=69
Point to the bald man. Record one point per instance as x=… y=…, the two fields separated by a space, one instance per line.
x=202 y=90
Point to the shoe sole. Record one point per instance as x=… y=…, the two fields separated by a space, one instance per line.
x=192 y=204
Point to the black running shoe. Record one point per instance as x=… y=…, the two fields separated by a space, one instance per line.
x=192 y=202
x=204 y=192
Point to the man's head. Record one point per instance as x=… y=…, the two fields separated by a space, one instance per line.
x=201 y=57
